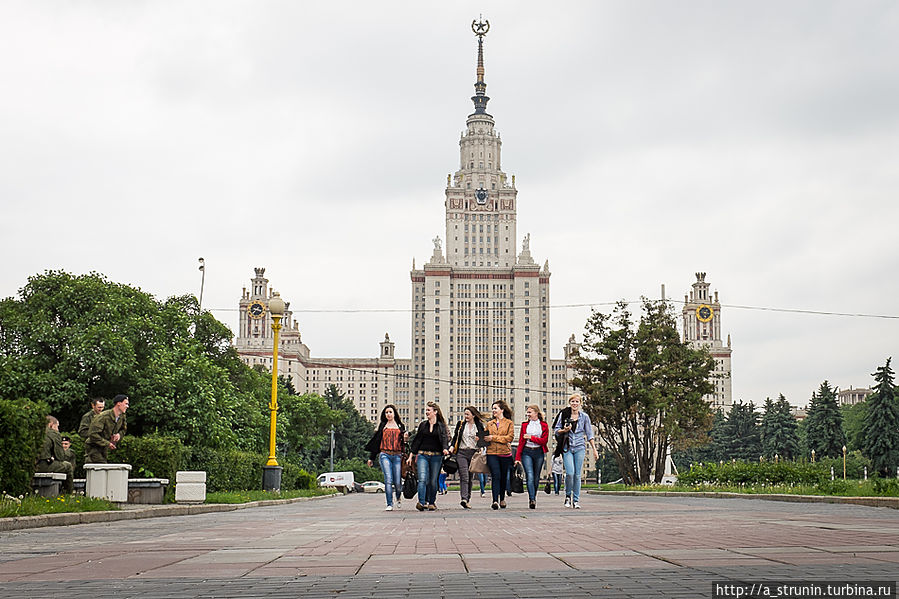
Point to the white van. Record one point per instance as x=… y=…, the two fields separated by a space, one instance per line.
x=337 y=479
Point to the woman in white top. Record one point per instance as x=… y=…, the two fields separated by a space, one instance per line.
x=465 y=444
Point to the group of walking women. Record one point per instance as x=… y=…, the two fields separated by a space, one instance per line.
x=474 y=435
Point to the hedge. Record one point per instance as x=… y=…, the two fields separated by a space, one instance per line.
x=22 y=426
x=772 y=473
x=242 y=471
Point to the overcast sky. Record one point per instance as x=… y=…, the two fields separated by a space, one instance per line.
x=757 y=142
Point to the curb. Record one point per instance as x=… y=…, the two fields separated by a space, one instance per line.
x=888 y=502
x=158 y=511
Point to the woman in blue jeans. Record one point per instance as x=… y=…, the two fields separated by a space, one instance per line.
x=574 y=430
x=430 y=444
x=531 y=452
x=387 y=447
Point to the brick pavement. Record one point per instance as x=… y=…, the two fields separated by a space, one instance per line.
x=349 y=547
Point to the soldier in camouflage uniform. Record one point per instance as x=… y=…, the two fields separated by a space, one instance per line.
x=105 y=431
x=52 y=456
x=97 y=404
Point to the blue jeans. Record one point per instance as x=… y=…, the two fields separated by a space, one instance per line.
x=532 y=459
x=428 y=473
x=500 y=467
x=574 y=463
x=391 y=466
x=557 y=482
x=482 y=479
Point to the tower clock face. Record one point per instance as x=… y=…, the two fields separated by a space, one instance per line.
x=481 y=196
x=256 y=310
x=704 y=313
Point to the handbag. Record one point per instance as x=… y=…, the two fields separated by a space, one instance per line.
x=546 y=488
x=478 y=464
x=518 y=479
x=450 y=464
x=410 y=485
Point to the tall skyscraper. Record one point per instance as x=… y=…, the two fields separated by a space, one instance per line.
x=702 y=328
x=480 y=322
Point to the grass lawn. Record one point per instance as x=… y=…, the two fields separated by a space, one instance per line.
x=248 y=496
x=839 y=488
x=35 y=505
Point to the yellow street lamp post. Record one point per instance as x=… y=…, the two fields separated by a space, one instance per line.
x=271 y=472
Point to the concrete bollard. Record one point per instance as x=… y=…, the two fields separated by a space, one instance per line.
x=107 y=481
x=190 y=486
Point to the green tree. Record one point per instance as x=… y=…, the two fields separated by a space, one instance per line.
x=854 y=424
x=351 y=432
x=881 y=444
x=741 y=437
x=307 y=423
x=644 y=387
x=779 y=436
x=824 y=427
x=68 y=338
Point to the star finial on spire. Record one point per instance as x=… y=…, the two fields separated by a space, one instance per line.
x=480 y=99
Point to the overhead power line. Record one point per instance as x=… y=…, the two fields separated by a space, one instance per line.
x=562 y=306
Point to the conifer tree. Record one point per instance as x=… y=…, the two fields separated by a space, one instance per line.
x=779 y=430
x=741 y=434
x=881 y=443
x=824 y=428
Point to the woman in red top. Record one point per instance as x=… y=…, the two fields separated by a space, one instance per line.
x=532 y=450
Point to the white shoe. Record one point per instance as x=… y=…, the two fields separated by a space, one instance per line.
x=576 y=505
x=389 y=508
x=568 y=502
x=398 y=504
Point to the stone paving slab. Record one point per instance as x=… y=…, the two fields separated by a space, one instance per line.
x=614 y=546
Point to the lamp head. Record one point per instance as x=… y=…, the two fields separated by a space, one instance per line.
x=276 y=305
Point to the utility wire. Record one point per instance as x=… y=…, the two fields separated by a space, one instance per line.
x=560 y=306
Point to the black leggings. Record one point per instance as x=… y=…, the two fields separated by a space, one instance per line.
x=499 y=474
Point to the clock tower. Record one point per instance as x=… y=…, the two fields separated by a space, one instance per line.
x=702 y=328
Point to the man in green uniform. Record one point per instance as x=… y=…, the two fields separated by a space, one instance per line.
x=97 y=404
x=105 y=431
x=52 y=456
x=68 y=454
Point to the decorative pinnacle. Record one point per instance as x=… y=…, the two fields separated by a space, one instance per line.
x=480 y=99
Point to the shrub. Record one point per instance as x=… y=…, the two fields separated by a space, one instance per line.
x=231 y=470
x=755 y=474
x=22 y=425
x=152 y=456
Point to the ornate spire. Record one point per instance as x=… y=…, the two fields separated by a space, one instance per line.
x=480 y=99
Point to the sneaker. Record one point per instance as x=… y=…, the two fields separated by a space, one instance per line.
x=398 y=504
x=419 y=506
x=389 y=508
x=568 y=502
x=576 y=505
x=495 y=505
x=533 y=505
x=502 y=504
x=483 y=494
x=464 y=504
x=432 y=508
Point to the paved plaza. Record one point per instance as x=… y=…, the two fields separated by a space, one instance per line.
x=348 y=546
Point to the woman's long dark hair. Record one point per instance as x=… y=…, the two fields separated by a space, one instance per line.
x=396 y=416
x=507 y=411
x=474 y=412
x=436 y=407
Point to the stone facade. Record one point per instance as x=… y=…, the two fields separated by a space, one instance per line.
x=702 y=328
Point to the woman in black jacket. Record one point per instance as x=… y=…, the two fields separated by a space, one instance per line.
x=467 y=441
x=387 y=446
x=430 y=444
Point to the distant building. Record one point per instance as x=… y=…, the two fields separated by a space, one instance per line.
x=702 y=328
x=850 y=396
x=371 y=383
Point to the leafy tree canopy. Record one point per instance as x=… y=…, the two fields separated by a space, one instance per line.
x=644 y=387
x=69 y=338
